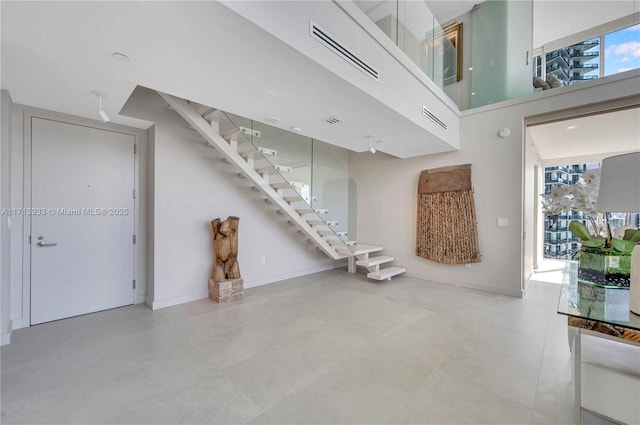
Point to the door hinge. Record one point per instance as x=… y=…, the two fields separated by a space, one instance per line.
x=29 y=238
x=134 y=284
x=134 y=194
x=135 y=149
x=134 y=239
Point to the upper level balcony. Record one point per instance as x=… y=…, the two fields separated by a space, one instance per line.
x=472 y=52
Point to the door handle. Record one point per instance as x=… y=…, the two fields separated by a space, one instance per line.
x=43 y=244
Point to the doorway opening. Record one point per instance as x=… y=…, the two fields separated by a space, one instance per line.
x=558 y=151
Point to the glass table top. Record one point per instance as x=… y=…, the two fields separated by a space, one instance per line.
x=586 y=301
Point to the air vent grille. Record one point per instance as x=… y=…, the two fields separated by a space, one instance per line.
x=333 y=120
x=427 y=113
x=323 y=37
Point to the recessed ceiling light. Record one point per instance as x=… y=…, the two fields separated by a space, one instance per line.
x=572 y=127
x=470 y=68
x=272 y=120
x=120 y=57
x=473 y=93
x=295 y=128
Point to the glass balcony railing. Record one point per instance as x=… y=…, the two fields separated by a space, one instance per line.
x=477 y=55
x=317 y=171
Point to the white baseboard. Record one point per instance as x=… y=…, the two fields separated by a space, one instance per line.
x=5 y=339
x=168 y=302
x=259 y=282
x=517 y=293
x=252 y=283
x=20 y=323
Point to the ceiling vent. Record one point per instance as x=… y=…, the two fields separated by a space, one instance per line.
x=339 y=49
x=333 y=120
x=427 y=113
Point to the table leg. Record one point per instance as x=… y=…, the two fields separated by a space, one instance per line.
x=577 y=375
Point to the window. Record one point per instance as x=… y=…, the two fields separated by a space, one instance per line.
x=622 y=50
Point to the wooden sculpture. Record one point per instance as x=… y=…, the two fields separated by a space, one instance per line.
x=447 y=231
x=225 y=241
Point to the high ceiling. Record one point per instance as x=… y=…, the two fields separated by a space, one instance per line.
x=54 y=54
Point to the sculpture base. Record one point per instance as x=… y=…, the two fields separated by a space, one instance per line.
x=227 y=290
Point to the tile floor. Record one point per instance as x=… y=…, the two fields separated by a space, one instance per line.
x=325 y=348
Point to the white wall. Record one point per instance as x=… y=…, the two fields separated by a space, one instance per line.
x=387 y=187
x=191 y=187
x=5 y=203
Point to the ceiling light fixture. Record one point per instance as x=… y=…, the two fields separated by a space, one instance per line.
x=371 y=148
x=101 y=114
x=295 y=128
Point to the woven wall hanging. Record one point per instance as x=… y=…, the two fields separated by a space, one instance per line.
x=447 y=229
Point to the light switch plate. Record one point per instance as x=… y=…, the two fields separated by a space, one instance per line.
x=503 y=222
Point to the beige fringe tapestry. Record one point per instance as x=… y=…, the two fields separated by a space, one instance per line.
x=447 y=229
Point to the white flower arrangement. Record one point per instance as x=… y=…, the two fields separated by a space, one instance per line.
x=581 y=196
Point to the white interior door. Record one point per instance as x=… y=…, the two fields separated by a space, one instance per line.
x=82 y=220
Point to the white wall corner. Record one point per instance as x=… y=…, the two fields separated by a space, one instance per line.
x=168 y=302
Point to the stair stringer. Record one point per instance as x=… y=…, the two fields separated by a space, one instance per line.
x=210 y=134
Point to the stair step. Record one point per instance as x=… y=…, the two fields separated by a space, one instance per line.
x=374 y=261
x=326 y=233
x=273 y=169
x=386 y=273
x=281 y=185
x=316 y=223
x=305 y=211
x=360 y=249
x=344 y=250
x=293 y=198
x=334 y=241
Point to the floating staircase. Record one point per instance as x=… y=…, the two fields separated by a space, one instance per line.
x=259 y=165
x=361 y=257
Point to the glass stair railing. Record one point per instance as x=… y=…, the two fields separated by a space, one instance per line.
x=308 y=174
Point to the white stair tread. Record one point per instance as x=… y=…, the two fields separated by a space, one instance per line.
x=281 y=185
x=341 y=249
x=360 y=248
x=305 y=211
x=293 y=198
x=269 y=169
x=316 y=223
x=386 y=273
x=374 y=261
x=326 y=233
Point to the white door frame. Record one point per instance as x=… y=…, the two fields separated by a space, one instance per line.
x=139 y=202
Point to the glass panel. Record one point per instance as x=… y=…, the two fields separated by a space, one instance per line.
x=384 y=14
x=331 y=188
x=415 y=32
x=289 y=152
x=621 y=50
x=501 y=51
x=316 y=170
